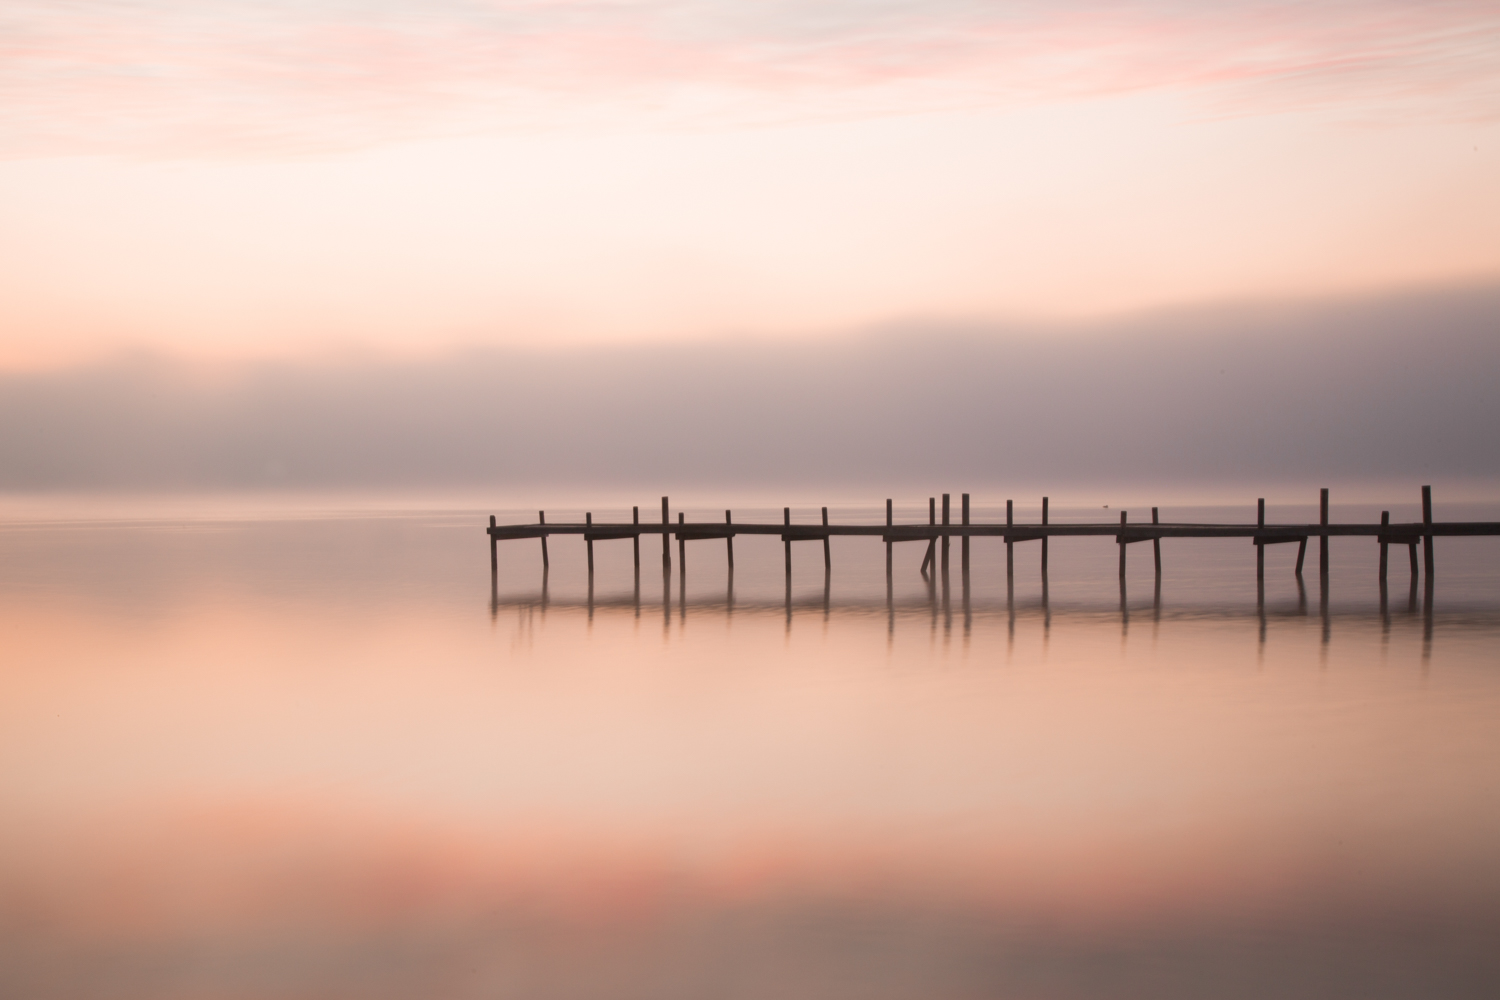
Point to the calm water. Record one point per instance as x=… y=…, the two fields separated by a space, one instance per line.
x=314 y=754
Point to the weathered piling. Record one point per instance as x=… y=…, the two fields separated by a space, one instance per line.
x=1260 y=549
x=1323 y=538
x=666 y=545
x=1427 y=537
x=786 y=520
x=1156 y=546
x=827 y=552
x=681 y=544
x=588 y=520
x=541 y=518
x=635 y=540
x=729 y=540
x=1044 y=539
x=1385 y=544
x=1010 y=543
x=889 y=545
x=964 y=543
x=1122 y=546
x=494 y=552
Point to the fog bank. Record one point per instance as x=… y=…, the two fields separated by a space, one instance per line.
x=1383 y=389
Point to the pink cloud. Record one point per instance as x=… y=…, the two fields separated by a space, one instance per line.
x=173 y=78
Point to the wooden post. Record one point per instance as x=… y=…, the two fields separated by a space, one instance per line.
x=635 y=542
x=931 y=545
x=1385 y=520
x=1323 y=539
x=1427 y=539
x=666 y=540
x=827 y=555
x=681 y=548
x=945 y=536
x=541 y=518
x=729 y=541
x=494 y=555
x=1010 y=546
x=1301 y=554
x=1122 y=545
x=1044 y=537
x=786 y=519
x=1411 y=550
x=964 y=557
x=1260 y=543
x=588 y=519
x=1156 y=543
x=888 y=545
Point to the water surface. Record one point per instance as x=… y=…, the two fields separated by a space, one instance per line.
x=303 y=752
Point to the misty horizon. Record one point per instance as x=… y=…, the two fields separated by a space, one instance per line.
x=1389 y=388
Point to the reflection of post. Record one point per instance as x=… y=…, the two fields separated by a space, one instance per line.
x=541 y=518
x=1427 y=538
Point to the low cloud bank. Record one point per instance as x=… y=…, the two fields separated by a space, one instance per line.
x=1379 y=389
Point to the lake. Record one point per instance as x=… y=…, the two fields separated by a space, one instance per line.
x=296 y=749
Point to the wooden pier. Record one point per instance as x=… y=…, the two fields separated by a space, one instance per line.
x=939 y=533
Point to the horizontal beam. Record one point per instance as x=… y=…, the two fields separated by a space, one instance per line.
x=1268 y=535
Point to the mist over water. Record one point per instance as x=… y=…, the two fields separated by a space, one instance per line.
x=294 y=752
x=1214 y=402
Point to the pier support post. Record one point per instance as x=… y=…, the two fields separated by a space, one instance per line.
x=1427 y=538
x=945 y=536
x=1156 y=544
x=681 y=548
x=494 y=553
x=889 y=545
x=729 y=541
x=786 y=519
x=964 y=547
x=1323 y=539
x=1301 y=554
x=666 y=539
x=1260 y=543
x=1010 y=546
x=635 y=542
x=541 y=518
x=588 y=519
x=1044 y=539
x=827 y=553
x=1385 y=545
x=927 y=560
x=1122 y=546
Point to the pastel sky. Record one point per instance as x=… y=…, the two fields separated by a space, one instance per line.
x=272 y=178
